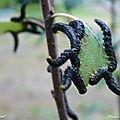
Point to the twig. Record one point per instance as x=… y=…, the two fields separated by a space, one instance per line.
x=113 y=28
x=47 y=9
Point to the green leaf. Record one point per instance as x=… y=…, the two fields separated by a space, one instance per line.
x=92 y=55
x=6 y=26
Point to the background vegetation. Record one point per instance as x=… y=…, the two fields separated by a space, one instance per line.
x=24 y=82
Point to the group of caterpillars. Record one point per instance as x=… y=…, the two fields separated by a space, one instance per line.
x=89 y=63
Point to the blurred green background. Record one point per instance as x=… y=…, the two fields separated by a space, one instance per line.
x=24 y=82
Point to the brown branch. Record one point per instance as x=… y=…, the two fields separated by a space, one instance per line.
x=113 y=28
x=47 y=9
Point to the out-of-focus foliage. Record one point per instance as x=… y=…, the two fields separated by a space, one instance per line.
x=33 y=1
x=70 y=4
x=6 y=3
x=9 y=3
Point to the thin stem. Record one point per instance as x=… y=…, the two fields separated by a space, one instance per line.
x=64 y=15
x=113 y=28
x=47 y=9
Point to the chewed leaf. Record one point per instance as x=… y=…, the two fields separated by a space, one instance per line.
x=92 y=55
